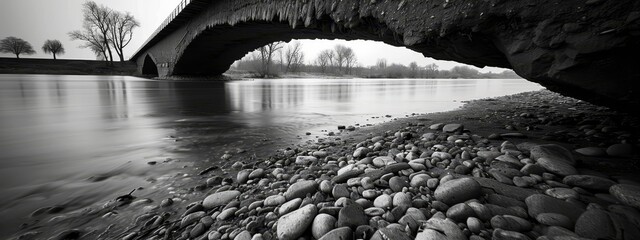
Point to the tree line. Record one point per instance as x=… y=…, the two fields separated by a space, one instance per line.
x=278 y=58
x=275 y=59
x=106 y=32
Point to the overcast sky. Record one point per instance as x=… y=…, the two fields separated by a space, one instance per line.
x=38 y=20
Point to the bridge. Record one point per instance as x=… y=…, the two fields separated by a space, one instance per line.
x=582 y=48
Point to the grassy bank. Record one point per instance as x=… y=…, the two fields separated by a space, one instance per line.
x=68 y=67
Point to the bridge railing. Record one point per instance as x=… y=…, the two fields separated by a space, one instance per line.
x=181 y=6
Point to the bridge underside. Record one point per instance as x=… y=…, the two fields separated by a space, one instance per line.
x=585 y=49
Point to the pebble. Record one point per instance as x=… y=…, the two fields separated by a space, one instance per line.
x=274 y=200
x=244 y=235
x=243 y=176
x=499 y=234
x=360 y=152
x=420 y=180
x=383 y=201
x=401 y=200
x=552 y=152
x=445 y=229
x=391 y=233
x=592 y=151
x=338 y=233
x=306 y=160
x=595 y=224
x=191 y=218
x=258 y=173
x=220 y=199
x=290 y=206
x=339 y=191
x=374 y=211
x=620 y=150
x=539 y=203
x=589 y=182
x=397 y=184
x=383 y=161
x=460 y=212
x=627 y=194
x=524 y=182
x=554 y=219
x=351 y=216
x=458 y=190
x=488 y=155
x=301 y=189
x=294 y=224
x=475 y=225
x=453 y=127
x=558 y=167
x=511 y=223
x=322 y=224
x=562 y=193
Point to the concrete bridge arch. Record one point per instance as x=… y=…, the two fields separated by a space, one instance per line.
x=585 y=49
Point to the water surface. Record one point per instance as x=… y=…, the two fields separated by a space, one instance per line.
x=74 y=141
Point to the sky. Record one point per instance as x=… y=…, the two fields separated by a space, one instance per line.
x=38 y=20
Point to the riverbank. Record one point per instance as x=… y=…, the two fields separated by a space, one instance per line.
x=66 y=67
x=389 y=178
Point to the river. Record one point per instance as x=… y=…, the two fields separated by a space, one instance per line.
x=74 y=141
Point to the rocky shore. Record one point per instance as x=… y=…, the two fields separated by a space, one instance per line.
x=535 y=165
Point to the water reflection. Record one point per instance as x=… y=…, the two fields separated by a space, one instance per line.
x=78 y=140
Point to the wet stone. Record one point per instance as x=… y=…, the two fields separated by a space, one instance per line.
x=554 y=219
x=627 y=194
x=322 y=224
x=219 y=199
x=460 y=212
x=457 y=190
x=294 y=224
x=301 y=189
x=589 y=182
x=352 y=216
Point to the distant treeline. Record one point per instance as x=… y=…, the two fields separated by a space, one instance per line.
x=277 y=59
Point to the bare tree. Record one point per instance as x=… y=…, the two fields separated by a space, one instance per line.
x=121 y=27
x=339 y=56
x=266 y=56
x=16 y=46
x=96 y=22
x=293 y=57
x=325 y=59
x=350 y=60
x=54 y=47
x=93 y=40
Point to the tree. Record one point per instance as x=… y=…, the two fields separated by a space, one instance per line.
x=339 y=56
x=121 y=27
x=325 y=59
x=381 y=64
x=464 y=72
x=93 y=39
x=413 y=66
x=54 y=47
x=96 y=29
x=293 y=57
x=350 y=60
x=266 y=57
x=431 y=70
x=16 y=46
